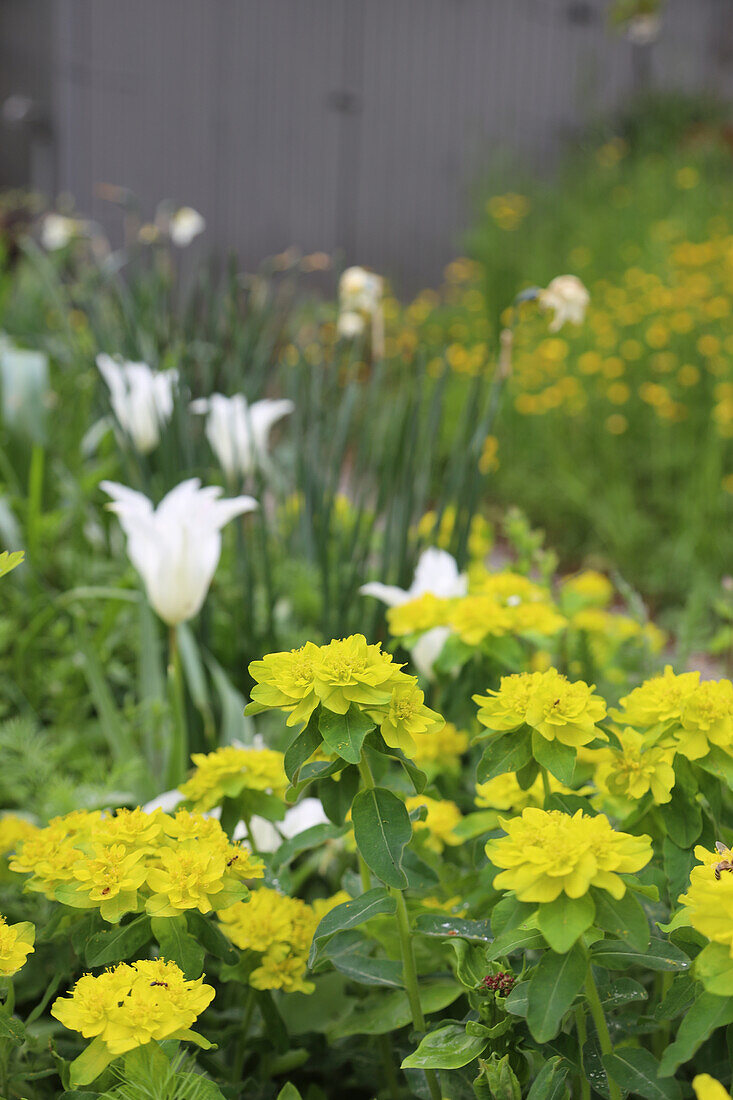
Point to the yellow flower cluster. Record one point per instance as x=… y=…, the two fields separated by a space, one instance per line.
x=632 y=771
x=682 y=713
x=440 y=821
x=130 y=1005
x=280 y=930
x=13 y=831
x=547 y=853
x=229 y=771
x=504 y=793
x=16 y=944
x=709 y=898
x=497 y=605
x=547 y=702
x=440 y=750
x=336 y=676
x=131 y=860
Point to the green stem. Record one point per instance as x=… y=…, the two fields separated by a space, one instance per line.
x=546 y=785
x=178 y=755
x=249 y=1007
x=10 y=998
x=582 y=1033
x=35 y=500
x=409 y=973
x=387 y=1056
x=367 y=780
x=596 y=1011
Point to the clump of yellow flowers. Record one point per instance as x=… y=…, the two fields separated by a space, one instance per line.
x=131 y=861
x=546 y=702
x=345 y=673
x=546 y=853
x=16 y=944
x=708 y=907
x=229 y=771
x=279 y=929
x=131 y=1005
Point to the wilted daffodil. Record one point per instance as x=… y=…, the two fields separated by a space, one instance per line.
x=547 y=853
x=16 y=944
x=229 y=771
x=142 y=399
x=549 y=703
x=239 y=432
x=175 y=547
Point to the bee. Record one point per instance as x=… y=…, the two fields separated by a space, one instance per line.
x=725 y=864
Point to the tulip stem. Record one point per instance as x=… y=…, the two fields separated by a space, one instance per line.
x=178 y=754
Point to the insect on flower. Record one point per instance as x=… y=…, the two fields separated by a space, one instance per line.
x=725 y=864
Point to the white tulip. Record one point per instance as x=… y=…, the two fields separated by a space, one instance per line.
x=437 y=573
x=175 y=547
x=360 y=290
x=268 y=837
x=239 y=432
x=185 y=225
x=142 y=399
x=568 y=298
x=57 y=230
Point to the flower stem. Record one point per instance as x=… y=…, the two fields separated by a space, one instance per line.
x=178 y=755
x=386 y=1054
x=409 y=973
x=249 y=1005
x=545 y=785
x=582 y=1032
x=596 y=1011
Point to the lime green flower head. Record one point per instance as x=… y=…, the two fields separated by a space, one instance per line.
x=284 y=681
x=16 y=944
x=633 y=770
x=547 y=702
x=659 y=699
x=351 y=671
x=406 y=717
x=547 y=853
x=229 y=771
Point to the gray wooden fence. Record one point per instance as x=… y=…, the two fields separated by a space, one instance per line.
x=353 y=124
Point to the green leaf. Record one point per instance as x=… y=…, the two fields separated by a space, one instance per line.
x=471 y=966
x=549 y=1084
x=115 y=730
x=313 y=837
x=120 y=943
x=211 y=937
x=682 y=818
x=623 y=918
x=682 y=995
x=347 y=952
x=714 y=968
x=557 y=758
x=622 y=991
x=515 y=939
x=699 y=1022
x=336 y=798
x=350 y=914
x=498 y=1076
x=507 y=753
x=635 y=1070
x=719 y=764
x=660 y=955
x=510 y=913
x=552 y=989
x=434 y=924
x=447 y=1048
x=302 y=748
x=177 y=945
x=382 y=829
x=10 y=561
x=344 y=733
x=288 y=1092
x=91 y=1062
x=11 y=1028
x=382 y=1012
x=563 y=921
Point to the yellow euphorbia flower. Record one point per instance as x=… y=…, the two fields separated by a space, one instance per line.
x=132 y=828
x=406 y=717
x=285 y=681
x=659 y=699
x=631 y=771
x=707 y=1088
x=133 y=1004
x=419 y=615
x=504 y=793
x=709 y=897
x=441 y=748
x=198 y=875
x=229 y=771
x=474 y=618
x=16 y=944
x=546 y=853
x=442 y=818
x=109 y=878
x=546 y=701
x=14 y=830
x=588 y=589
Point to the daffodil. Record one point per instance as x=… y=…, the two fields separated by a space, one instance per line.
x=567 y=298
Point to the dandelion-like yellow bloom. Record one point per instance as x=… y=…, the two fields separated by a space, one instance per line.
x=280 y=929
x=440 y=821
x=631 y=771
x=229 y=771
x=709 y=898
x=546 y=853
x=546 y=701
x=707 y=1088
x=133 y=1004
x=16 y=944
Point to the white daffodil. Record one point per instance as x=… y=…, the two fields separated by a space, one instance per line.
x=360 y=296
x=237 y=431
x=57 y=231
x=568 y=299
x=436 y=572
x=142 y=399
x=350 y=324
x=185 y=225
x=175 y=547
